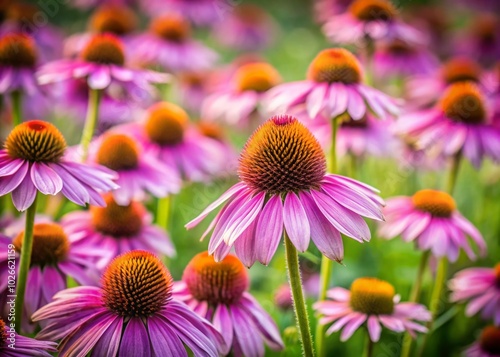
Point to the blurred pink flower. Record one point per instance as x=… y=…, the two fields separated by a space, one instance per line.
x=487 y=345
x=374 y=302
x=199 y=12
x=481 y=287
x=218 y=292
x=24 y=346
x=430 y=218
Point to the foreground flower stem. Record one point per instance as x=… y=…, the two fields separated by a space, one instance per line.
x=369 y=346
x=163 y=212
x=414 y=297
x=299 y=302
x=326 y=264
x=16 y=97
x=24 y=263
x=90 y=121
x=443 y=262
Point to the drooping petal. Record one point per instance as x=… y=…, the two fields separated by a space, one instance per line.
x=135 y=340
x=269 y=229
x=296 y=223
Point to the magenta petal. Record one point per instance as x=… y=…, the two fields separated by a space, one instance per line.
x=224 y=197
x=164 y=341
x=296 y=223
x=45 y=179
x=223 y=323
x=135 y=340
x=250 y=342
x=374 y=328
x=269 y=229
x=352 y=326
x=72 y=188
x=316 y=100
x=33 y=290
x=323 y=234
x=345 y=221
x=24 y=195
x=53 y=282
x=245 y=245
x=10 y=183
x=355 y=106
x=109 y=343
x=10 y=166
x=100 y=78
x=242 y=218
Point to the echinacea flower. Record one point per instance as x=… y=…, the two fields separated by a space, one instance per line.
x=139 y=171
x=237 y=102
x=113 y=18
x=488 y=344
x=117 y=229
x=401 y=59
x=425 y=89
x=372 y=302
x=30 y=19
x=18 y=61
x=370 y=19
x=284 y=185
x=131 y=314
x=216 y=132
x=14 y=345
x=199 y=12
x=481 y=40
x=481 y=287
x=246 y=28
x=168 y=43
x=218 y=292
x=168 y=133
x=102 y=63
x=33 y=161
x=324 y=9
x=55 y=256
x=194 y=87
x=334 y=86
x=459 y=123
x=431 y=219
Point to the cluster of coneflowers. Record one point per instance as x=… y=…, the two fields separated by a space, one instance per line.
x=87 y=225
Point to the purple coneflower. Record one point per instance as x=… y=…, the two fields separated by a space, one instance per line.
x=101 y=62
x=132 y=314
x=117 y=229
x=168 y=43
x=430 y=218
x=481 y=40
x=286 y=186
x=33 y=161
x=237 y=102
x=372 y=302
x=218 y=292
x=401 y=59
x=199 y=12
x=370 y=20
x=488 y=344
x=18 y=61
x=168 y=133
x=113 y=18
x=333 y=86
x=246 y=28
x=55 y=256
x=139 y=171
x=458 y=124
x=424 y=90
x=28 y=18
x=481 y=286
x=14 y=345
x=194 y=87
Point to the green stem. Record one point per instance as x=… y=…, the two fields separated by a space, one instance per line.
x=24 y=263
x=414 y=297
x=369 y=346
x=326 y=264
x=163 y=212
x=452 y=177
x=90 y=121
x=299 y=302
x=435 y=299
x=16 y=97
